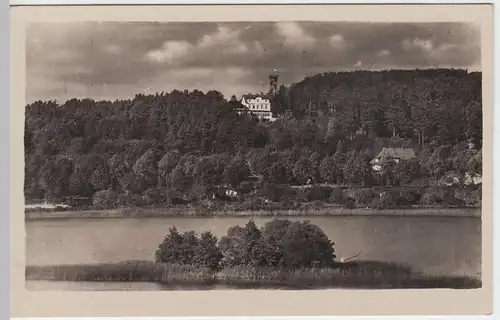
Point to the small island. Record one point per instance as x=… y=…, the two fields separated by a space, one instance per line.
x=281 y=254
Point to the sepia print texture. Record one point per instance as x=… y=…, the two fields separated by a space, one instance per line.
x=253 y=155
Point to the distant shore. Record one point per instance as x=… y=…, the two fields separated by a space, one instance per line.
x=170 y=212
x=363 y=274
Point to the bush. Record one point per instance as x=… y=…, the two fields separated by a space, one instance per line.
x=362 y=196
x=151 y=196
x=254 y=204
x=409 y=197
x=337 y=195
x=275 y=192
x=106 y=198
x=205 y=207
x=470 y=196
x=439 y=195
x=174 y=197
x=385 y=200
x=349 y=202
x=429 y=198
x=318 y=193
x=246 y=187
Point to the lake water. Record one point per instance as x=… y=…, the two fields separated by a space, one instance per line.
x=442 y=246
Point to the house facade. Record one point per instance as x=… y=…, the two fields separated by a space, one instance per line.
x=258 y=105
x=391 y=155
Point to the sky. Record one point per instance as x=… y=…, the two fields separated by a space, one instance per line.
x=116 y=60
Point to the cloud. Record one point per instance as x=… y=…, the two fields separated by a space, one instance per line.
x=421 y=44
x=168 y=52
x=337 y=40
x=383 y=53
x=223 y=37
x=116 y=59
x=223 y=41
x=294 y=35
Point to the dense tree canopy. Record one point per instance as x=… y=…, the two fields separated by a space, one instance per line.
x=278 y=243
x=329 y=126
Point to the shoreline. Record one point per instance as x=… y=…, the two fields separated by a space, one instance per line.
x=358 y=275
x=193 y=213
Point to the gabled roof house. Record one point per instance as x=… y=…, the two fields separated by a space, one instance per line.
x=391 y=154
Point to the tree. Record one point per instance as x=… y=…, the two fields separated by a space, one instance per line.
x=242 y=246
x=167 y=163
x=79 y=181
x=273 y=234
x=387 y=174
x=353 y=110
x=208 y=253
x=356 y=169
x=304 y=170
x=133 y=184
x=306 y=245
x=236 y=172
x=330 y=168
x=437 y=164
x=146 y=167
x=189 y=249
x=277 y=173
x=205 y=172
x=179 y=180
x=475 y=164
x=100 y=177
x=55 y=177
x=169 y=251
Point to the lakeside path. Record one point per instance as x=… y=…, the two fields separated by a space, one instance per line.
x=192 y=213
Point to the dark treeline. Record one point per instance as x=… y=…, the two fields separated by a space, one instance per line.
x=184 y=145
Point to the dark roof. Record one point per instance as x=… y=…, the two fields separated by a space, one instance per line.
x=395 y=153
x=253 y=96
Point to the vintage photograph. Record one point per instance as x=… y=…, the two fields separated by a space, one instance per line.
x=273 y=155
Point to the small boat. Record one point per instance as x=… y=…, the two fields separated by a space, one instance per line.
x=351 y=258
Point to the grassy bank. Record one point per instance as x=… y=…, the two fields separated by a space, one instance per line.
x=194 y=212
x=367 y=274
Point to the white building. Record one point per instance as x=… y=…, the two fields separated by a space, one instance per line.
x=259 y=106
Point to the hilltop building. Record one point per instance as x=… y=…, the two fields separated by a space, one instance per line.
x=391 y=154
x=260 y=104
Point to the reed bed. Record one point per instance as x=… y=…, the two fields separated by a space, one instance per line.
x=369 y=274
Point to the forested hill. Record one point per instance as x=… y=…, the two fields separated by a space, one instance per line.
x=184 y=140
x=444 y=104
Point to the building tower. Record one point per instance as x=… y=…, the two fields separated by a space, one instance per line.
x=273 y=85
